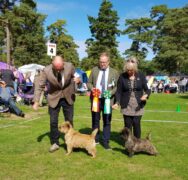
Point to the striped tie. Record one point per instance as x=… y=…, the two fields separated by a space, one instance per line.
x=103 y=82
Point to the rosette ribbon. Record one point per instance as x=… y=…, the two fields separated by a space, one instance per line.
x=95 y=105
x=107 y=108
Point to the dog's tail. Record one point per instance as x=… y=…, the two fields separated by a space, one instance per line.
x=93 y=134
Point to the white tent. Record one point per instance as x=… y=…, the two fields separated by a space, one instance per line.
x=32 y=68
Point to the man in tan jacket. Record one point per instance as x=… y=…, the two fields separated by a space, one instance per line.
x=61 y=93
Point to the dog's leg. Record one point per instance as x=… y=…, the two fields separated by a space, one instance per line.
x=69 y=150
x=92 y=152
x=131 y=153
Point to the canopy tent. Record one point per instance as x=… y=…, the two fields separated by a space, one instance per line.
x=88 y=73
x=4 y=65
x=30 y=68
x=162 y=78
x=82 y=75
x=150 y=80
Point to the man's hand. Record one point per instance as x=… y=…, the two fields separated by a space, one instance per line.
x=35 y=106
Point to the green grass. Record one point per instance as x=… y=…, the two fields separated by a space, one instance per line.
x=25 y=142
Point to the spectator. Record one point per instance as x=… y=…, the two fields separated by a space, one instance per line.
x=160 y=87
x=6 y=94
x=8 y=77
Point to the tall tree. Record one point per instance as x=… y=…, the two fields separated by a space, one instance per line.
x=171 y=43
x=27 y=33
x=104 y=30
x=65 y=43
x=6 y=5
x=141 y=32
x=5 y=34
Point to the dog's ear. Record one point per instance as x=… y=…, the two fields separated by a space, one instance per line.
x=128 y=130
x=148 y=137
x=69 y=125
x=125 y=133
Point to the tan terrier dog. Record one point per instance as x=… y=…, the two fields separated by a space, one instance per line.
x=74 y=139
x=133 y=144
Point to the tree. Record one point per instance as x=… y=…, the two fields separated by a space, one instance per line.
x=141 y=32
x=65 y=43
x=27 y=33
x=6 y=5
x=87 y=63
x=104 y=30
x=170 y=44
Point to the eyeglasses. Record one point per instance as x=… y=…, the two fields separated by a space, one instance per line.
x=101 y=62
x=132 y=61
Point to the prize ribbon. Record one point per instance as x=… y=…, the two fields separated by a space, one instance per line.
x=95 y=106
x=107 y=108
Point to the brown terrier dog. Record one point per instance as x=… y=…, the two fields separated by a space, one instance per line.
x=133 y=144
x=74 y=139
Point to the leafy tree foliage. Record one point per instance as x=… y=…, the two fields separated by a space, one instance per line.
x=171 y=42
x=104 y=30
x=65 y=43
x=166 y=33
x=27 y=33
x=6 y=5
x=141 y=32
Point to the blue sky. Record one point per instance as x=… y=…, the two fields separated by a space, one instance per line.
x=75 y=12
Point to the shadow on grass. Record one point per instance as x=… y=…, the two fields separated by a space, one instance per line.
x=85 y=131
x=40 y=138
x=183 y=97
x=115 y=136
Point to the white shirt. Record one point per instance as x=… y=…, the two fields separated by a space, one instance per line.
x=98 y=84
x=62 y=78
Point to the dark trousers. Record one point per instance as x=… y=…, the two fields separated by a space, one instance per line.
x=106 y=122
x=133 y=122
x=54 y=114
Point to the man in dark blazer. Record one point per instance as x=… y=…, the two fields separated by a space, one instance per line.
x=61 y=93
x=110 y=82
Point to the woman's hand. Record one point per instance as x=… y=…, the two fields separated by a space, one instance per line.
x=144 y=97
x=115 y=106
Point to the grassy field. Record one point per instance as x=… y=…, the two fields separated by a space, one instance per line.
x=25 y=143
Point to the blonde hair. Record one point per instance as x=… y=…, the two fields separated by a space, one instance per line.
x=132 y=59
x=131 y=64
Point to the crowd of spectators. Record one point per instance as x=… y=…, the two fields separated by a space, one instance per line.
x=174 y=85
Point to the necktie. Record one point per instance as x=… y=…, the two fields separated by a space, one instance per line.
x=59 y=77
x=103 y=82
